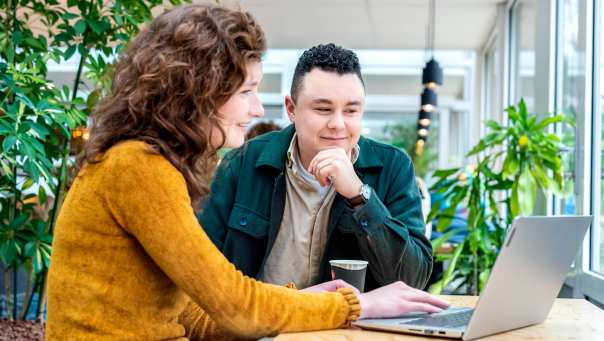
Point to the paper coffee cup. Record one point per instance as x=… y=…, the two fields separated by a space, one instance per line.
x=350 y=271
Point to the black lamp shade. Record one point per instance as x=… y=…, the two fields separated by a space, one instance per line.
x=432 y=74
x=425 y=117
x=429 y=97
x=420 y=127
x=422 y=130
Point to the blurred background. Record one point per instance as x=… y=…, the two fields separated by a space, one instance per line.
x=533 y=68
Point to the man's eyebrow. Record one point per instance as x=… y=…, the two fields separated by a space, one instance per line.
x=354 y=103
x=321 y=101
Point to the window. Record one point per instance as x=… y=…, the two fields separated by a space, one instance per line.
x=574 y=93
x=492 y=82
x=597 y=248
x=271 y=83
x=571 y=89
x=523 y=52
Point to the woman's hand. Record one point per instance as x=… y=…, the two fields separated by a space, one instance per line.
x=397 y=299
x=331 y=286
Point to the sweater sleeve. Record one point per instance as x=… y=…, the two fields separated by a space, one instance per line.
x=199 y=326
x=148 y=197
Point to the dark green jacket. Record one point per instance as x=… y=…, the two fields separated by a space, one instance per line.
x=243 y=213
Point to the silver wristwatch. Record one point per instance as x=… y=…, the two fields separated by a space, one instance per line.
x=362 y=198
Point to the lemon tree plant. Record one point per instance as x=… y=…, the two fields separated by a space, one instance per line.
x=513 y=163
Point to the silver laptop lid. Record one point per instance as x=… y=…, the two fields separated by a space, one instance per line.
x=528 y=273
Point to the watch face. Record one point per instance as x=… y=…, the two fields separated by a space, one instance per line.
x=365 y=192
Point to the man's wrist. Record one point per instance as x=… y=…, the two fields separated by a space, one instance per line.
x=356 y=190
x=361 y=198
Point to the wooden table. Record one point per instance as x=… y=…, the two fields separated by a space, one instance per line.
x=569 y=319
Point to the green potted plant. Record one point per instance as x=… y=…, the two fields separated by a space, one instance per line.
x=37 y=121
x=404 y=136
x=513 y=163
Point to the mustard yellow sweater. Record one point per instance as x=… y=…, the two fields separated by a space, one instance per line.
x=130 y=262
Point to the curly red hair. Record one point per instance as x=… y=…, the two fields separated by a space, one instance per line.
x=169 y=84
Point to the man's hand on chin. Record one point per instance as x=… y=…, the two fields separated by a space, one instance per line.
x=333 y=166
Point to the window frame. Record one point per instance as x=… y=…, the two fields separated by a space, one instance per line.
x=583 y=281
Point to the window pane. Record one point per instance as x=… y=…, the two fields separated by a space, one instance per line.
x=598 y=245
x=524 y=59
x=271 y=83
x=492 y=90
x=571 y=91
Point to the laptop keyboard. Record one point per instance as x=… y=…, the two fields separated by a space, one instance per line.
x=446 y=320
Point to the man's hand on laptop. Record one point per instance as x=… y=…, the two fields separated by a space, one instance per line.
x=397 y=299
x=331 y=286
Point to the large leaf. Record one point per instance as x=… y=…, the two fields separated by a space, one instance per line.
x=443 y=173
x=493 y=125
x=438 y=242
x=477 y=149
x=514 y=201
x=523 y=112
x=69 y=52
x=445 y=218
x=512 y=114
x=510 y=165
x=448 y=274
x=8 y=143
x=483 y=278
x=38 y=261
x=550 y=120
x=80 y=26
x=19 y=221
x=42 y=197
x=35 y=43
x=543 y=181
x=30 y=249
x=527 y=192
x=437 y=288
x=9 y=250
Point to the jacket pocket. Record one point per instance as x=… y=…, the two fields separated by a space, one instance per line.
x=249 y=222
x=346 y=223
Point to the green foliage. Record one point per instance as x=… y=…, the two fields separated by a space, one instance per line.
x=513 y=163
x=37 y=119
x=404 y=136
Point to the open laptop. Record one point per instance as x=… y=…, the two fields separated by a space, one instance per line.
x=521 y=290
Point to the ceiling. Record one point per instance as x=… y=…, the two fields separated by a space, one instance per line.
x=383 y=85
x=372 y=24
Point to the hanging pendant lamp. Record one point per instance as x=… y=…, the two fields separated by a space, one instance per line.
x=432 y=74
x=432 y=78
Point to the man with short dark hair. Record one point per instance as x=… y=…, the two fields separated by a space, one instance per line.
x=287 y=202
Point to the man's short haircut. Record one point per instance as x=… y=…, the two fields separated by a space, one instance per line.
x=330 y=58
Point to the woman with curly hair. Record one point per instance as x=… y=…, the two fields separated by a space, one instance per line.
x=130 y=260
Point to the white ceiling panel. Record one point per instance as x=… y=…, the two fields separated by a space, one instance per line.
x=372 y=24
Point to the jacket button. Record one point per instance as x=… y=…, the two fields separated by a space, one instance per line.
x=364 y=223
x=243 y=221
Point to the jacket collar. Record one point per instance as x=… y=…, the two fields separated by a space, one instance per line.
x=275 y=152
x=368 y=156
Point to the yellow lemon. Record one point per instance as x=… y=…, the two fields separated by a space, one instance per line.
x=523 y=141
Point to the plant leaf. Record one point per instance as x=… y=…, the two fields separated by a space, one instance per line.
x=527 y=192
x=8 y=143
x=80 y=27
